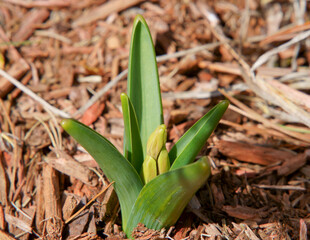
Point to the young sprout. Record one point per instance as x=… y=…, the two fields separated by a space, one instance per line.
x=153 y=185
x=157 y=160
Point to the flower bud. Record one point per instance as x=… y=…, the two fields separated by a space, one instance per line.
x=149 y=169
x=156 y=141
x=163 y=162
x=157 y=160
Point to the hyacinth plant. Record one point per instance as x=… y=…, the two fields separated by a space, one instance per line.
x=153 y=185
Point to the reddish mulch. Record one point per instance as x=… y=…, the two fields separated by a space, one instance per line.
x=67 y=51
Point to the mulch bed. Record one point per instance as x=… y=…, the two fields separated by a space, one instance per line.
x=73 y=54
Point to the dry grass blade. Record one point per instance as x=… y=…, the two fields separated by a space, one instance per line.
x=266 y=56
x=257 y=51
x=259 y=85
x=271 y=94
x=33 y=95
x=285 y=34
x=246 y=111
x=49 y=3
x=292 y=94
x=283 y=187
x=90 y=202
x=120 y=76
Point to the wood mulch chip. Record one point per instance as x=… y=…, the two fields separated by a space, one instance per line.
x=69 y=58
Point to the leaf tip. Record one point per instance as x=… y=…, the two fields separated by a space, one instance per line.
x=123 y=96
x=139 y=18
x=205 y=162
x=65 y=123
x=225 y=103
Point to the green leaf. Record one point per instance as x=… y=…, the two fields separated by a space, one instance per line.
x=189 y=145
x=143 y=81
x=132 y=141
x=128 y=183
x=164 y=198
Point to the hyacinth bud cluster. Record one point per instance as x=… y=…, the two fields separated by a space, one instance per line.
x=157 y=160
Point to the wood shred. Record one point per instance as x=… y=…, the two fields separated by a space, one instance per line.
x=253 y=154
x=67 y=53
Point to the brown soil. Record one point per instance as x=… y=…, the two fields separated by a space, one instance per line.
x=67 y=51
